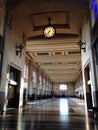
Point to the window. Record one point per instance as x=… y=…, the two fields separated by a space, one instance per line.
x=26 y=71
x=63 y=87
x=34 y=76
x=40 y=79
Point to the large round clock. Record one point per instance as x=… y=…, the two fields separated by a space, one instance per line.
x=49 y=31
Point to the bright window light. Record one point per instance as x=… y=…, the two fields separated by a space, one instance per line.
x=63 y=87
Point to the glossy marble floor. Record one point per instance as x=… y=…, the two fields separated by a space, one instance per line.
x=52 y=114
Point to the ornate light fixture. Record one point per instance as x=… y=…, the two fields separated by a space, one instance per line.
x=82 y=45
x=19 y=48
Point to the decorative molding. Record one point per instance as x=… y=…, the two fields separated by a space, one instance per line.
x=57 y=36
x=57 y=26
x=37 y=28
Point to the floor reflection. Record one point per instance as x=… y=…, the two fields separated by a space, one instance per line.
x=64 y=107
x=19 y=121
x=56 y=114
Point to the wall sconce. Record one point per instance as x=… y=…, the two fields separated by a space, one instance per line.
x=82 y=45
x=19 y=48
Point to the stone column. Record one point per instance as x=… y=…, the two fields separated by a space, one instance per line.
x=37 y=83
x=42 y=86
x=3 y=85
x=30 y=80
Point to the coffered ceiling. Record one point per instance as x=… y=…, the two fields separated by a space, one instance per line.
x=59 y=57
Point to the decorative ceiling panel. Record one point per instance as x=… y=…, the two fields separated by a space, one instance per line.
x=42 y=17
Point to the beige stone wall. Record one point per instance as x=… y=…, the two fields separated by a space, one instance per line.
x=87 y=56
x=71 y=89
x=12 y=37
x=79 y=87
x=56 y=90
x=69 y=92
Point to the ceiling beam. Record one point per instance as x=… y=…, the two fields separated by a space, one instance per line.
x=56 y=36
x=57 y=26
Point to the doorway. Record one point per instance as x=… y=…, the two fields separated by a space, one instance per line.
x=14 y=87
x=88 y=87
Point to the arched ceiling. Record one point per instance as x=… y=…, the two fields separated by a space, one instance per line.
x=59 y=57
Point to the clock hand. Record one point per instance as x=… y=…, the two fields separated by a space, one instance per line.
x=48 y=31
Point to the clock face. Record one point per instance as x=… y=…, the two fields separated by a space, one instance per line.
x=49 y=32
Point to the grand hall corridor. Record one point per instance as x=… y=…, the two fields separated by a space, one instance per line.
x=49 y=114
